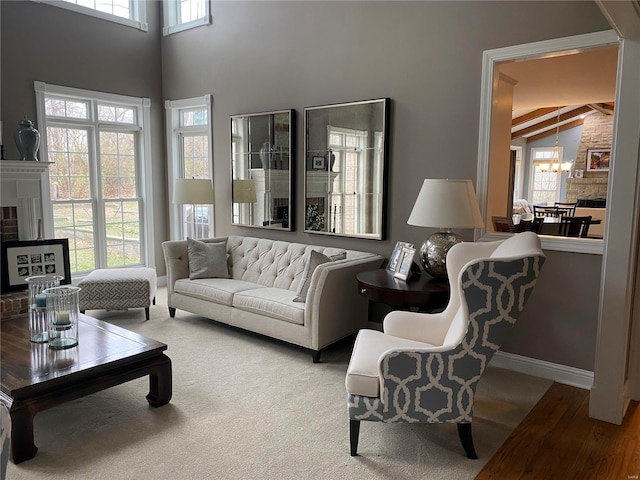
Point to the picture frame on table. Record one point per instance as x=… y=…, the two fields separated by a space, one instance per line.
x=403 y=272
x=598 y=159
x=392 y=266
x=25 y=258
x=318 y=163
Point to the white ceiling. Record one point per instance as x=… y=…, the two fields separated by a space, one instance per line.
x=573 y=79
x=570 y=81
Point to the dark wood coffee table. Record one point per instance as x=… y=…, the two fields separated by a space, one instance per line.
x=35 y=378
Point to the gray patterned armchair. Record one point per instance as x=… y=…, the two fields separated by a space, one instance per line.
x=425 y=367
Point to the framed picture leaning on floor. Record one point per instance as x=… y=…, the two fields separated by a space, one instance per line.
x=26 y=258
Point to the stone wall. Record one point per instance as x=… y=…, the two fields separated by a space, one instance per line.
x=597 y=132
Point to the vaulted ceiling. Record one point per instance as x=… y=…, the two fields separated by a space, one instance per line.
x=561 y=90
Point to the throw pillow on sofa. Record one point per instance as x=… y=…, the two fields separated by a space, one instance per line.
x=207 y=260
x=315 y=259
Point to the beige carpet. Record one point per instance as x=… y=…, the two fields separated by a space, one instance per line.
x=247 y=407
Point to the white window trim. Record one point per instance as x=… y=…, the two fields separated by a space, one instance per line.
x=168 y=15
x=146 y=171
x=140 y=7
x=534 y=162
x=490 y=60
x=173 y=108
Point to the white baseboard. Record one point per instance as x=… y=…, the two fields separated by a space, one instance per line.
x=540 y=368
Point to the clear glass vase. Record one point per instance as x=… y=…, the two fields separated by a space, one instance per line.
x=38 y=329
x=63 y=310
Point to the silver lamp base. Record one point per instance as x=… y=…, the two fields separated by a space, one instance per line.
x=433 y=252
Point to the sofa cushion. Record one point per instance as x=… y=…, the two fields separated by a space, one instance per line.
x=315 y=259
x=271 y=302
x=207 y=260
x=219 y=290
x=362 y=374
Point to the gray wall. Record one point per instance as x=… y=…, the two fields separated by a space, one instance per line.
x=53 y=45
x=263 y=56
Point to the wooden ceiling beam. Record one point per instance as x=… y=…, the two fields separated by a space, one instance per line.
x=527 y=117
x=551 y=122
x=564 y=127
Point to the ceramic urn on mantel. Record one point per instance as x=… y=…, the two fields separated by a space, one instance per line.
x=27 y=140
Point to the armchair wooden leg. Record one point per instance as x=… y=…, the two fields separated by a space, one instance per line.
x=354 y=432
x=464 y=433
x=172 y=312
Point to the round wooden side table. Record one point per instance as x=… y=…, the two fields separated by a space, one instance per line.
x=423 y=293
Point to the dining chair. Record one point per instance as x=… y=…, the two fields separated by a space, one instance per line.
x=545 y=211
x=424 y=367
x=503 y=224
x=534 y=225
x=574 y=226
x=570 y=207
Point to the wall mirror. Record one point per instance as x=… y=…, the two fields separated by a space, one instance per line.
x=262 y=160
x=346 y=150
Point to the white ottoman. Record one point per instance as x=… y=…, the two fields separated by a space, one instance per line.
x=118 y=289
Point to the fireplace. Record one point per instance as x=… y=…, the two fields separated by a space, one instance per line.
x=24 y=191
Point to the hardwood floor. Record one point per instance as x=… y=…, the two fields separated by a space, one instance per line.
x=558 y=440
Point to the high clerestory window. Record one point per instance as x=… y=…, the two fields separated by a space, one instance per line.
x=179 y=15
x=126 y=12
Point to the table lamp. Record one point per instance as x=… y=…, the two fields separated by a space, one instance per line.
x=193 y=191
x=444 y=204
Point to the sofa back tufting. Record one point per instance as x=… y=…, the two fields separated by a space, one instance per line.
x=273 y=263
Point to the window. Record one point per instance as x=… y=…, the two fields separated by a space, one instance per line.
x=348 y=161
x=100 y=176
x=179 y=15
x=190 y=156
x=126 y=12
x=545 y=185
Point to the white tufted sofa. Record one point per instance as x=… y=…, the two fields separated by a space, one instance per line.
x=265 y=275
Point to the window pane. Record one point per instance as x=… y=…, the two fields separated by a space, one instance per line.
x=123 y=233
x=118 y=169
x=66 y=108
x=196 y=157
x=75 y=222
x=119 y=8
x=191 y=10
x=69 y=175
x=116 y=114
x=191 y=118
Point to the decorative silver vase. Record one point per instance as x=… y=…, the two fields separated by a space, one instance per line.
x=27 y=140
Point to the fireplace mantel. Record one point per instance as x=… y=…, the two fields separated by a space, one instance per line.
x=25 y=185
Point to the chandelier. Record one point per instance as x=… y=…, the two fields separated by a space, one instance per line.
x=555 y=165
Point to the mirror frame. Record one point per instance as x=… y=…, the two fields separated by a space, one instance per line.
x=258 y=152
x=327 y=163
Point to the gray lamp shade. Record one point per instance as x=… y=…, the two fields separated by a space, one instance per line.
x=446 y=203
x=193 y=191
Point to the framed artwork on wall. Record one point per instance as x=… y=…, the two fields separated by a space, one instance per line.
x=598 y=159
x=23 y=259
x=318 y=163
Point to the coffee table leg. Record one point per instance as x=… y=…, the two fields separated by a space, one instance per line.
x=22 y=444
x=160 y=383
